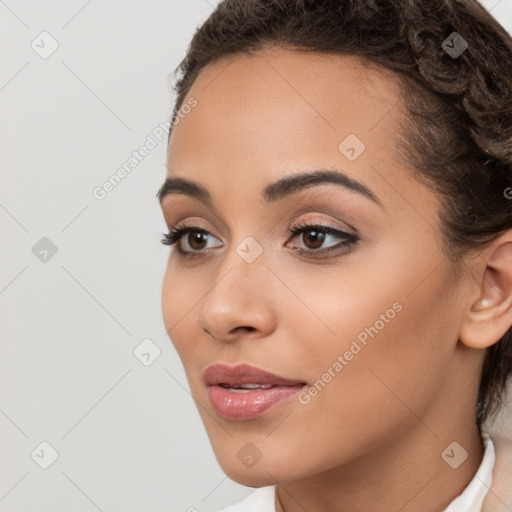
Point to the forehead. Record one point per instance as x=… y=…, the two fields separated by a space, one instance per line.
x=259 y=117
x=333 y=89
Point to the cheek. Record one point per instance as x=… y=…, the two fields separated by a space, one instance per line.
x=383 y=319
x=178 y=299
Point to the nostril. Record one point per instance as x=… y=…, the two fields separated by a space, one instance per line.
x=246 y=327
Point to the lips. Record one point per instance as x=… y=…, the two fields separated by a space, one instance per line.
x=244 y=392
x=236 y=376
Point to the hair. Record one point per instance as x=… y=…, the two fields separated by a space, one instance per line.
x=457 y=137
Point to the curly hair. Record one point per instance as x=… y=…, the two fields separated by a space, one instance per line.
x=458 y=135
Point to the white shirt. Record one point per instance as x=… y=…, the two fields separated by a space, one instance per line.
x=470 y=500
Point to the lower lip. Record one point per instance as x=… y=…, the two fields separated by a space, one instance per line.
x=250 y=404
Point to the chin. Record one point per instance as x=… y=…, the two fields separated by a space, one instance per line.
x=266 y=471
x=250 y=478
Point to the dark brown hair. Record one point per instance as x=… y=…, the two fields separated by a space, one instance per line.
x=458 y=134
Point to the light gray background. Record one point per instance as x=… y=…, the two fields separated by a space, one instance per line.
x=128 y=436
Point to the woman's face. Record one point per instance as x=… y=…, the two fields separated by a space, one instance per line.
x=365 y=318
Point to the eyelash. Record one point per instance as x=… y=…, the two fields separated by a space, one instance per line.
x=349 y=240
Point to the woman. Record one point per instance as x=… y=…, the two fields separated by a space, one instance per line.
x=339 y=288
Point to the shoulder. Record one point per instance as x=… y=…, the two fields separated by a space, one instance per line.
x=260 y=500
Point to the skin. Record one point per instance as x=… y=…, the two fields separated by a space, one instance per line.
x=376 y=431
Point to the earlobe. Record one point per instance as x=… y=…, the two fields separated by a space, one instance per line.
x=490 y=316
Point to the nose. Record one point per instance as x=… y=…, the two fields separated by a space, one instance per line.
x=240 y=302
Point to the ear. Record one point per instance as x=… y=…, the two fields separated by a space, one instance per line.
x=489 y=317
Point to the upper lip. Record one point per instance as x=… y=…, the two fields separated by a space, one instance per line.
x=243 y=374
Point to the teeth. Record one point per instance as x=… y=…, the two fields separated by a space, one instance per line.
x=254 y=386
x=244 y=388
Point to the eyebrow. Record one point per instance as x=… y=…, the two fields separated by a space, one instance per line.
x=284 y=187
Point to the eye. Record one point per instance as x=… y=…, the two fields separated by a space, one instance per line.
x=191 y=240
x=314 y=237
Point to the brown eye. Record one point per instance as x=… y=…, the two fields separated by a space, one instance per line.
x=196 y=240
x=313 y=239
x=191 y=241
